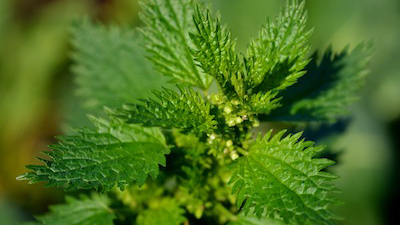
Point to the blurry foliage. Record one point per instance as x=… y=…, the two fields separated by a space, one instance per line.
x=32 y=53
x=34 y=62
x=36 y=96
x=94 y=71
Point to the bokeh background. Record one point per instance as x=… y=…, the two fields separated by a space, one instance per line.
x=37 y=92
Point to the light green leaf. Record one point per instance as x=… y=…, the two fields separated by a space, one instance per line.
x=263 y=103
x=277 y=57
x=253 y=220
x=168 y=23
x=83 y=211
x=112 y=153
x=187 y=111
x=167 y=212
x=215 y=53
x=280 y=176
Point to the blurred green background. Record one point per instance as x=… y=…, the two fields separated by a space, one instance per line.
x=37 y=92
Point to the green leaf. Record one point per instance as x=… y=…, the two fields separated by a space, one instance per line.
x=110 y=66
x=263 y=103
x=112 y=153
x=277 y=57
x=253 y=220
x=83 y=211
x=167 y=212
x=215 y=53
x=168 y=23
x=187 y=111
x=280 y=176
x=328 y=87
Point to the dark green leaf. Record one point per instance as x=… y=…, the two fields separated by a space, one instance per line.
x=280 y=176
x=328 y=87
x=112 y=153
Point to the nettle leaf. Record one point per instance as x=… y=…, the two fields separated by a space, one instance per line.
x=330 y=85
x=80 y=211
x=280 y=176
x=263 y=103
x=187 y=111
x=167 y=212
x=168 y=23
x=110 y=66
x=277 y=57
x=215 y=52
x=112 y=153
x=242 y=219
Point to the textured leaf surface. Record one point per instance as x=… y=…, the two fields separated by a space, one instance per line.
x=253 y=220
x=112 y=153
x=277 y=57
x=167 y=212
x=215 y=52
x=328 y=87
x=187 y=111
x=168 y=23
x=110 y=67
x=82 y=211
x=263 y=103
x=279 y=175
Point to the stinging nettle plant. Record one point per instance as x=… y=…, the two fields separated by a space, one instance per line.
x=216 y=167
